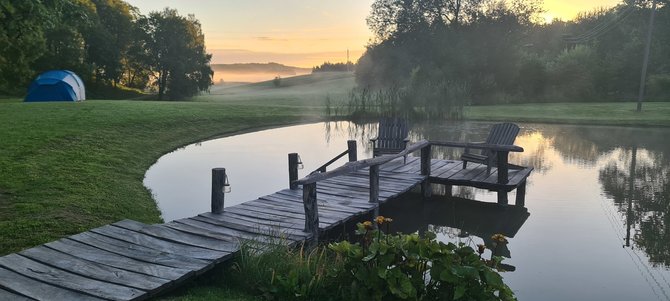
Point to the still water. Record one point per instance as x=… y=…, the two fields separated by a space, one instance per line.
x=596 y=224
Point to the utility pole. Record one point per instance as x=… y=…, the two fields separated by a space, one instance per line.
x=645 y=62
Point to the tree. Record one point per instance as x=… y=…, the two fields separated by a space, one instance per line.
x=176 y=52
x=21 y=27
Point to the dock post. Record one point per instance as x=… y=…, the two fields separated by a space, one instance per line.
x=374 y=187
x=426 y=189
x=353 y=152
x=292 y=170
x=218 y=182
x=502 y=197
x=311 y=211
x=521 y=195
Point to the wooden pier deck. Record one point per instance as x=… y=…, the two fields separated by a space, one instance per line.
x=129 y=260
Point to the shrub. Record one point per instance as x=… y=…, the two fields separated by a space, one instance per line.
x=381 y=267
x=410 y=267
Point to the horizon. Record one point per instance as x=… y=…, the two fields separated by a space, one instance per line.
x=302 y=34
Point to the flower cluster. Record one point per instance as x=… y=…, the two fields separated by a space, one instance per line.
x=499 y=238
x=380 y=220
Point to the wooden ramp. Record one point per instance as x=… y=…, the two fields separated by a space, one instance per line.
x=129 y=260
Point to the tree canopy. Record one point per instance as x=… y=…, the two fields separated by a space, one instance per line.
x=489 y=52
x=106 y=42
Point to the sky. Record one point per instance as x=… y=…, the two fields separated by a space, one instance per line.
x=302 y=33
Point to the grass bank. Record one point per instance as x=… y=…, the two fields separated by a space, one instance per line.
x=624 y=114
x=69 y=167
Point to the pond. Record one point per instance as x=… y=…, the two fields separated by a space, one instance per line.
x=596 y=224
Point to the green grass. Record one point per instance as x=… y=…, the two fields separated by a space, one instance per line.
x=69 y=167
x=653 y=113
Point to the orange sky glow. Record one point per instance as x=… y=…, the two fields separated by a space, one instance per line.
x=300 y=32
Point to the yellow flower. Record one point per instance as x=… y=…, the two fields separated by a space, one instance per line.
x=379 y=220
x=367 y=225
x=499 y=238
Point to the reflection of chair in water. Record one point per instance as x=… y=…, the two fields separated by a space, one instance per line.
x=500 y=134
x=480 y=219
x=392 y=137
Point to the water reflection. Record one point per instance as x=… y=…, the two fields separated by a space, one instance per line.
x=594 y=190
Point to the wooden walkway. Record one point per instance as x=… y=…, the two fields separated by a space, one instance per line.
x=129 y=260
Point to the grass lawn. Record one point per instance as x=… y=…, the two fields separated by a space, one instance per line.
x=70 y=167
x=653 y=113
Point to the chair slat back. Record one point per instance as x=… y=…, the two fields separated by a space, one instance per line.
x=392 y=133
x=503 y=134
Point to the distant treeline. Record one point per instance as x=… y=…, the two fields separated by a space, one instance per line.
x=108 y=43
x=334 y=67
x=259 y=68
x=489 y=52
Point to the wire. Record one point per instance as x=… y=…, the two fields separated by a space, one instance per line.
x=602 y=28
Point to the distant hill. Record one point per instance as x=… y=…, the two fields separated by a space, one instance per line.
x=260 y=68
x=254 y=72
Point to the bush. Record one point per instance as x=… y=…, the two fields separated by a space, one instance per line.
x=410 y=267
x=381 y=267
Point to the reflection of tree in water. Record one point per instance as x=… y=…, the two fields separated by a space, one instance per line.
x=640 y=189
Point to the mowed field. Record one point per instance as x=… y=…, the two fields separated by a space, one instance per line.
x=68 y=167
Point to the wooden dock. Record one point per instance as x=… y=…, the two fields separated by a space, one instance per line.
x=129 y=260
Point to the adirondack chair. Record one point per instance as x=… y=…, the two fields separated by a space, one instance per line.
x=392 y=137
x=500 y=134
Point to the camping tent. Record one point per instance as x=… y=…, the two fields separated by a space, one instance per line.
x=56 y=85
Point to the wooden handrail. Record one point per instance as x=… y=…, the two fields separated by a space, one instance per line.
x=358 y=165
x=323 y=167
x=493 y=147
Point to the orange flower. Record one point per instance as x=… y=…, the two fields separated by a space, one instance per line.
x=379 y=220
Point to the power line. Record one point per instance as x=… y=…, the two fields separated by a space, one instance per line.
x=602 y=28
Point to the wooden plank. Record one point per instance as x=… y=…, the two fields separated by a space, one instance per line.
x=446 y=173
x=356 y=202
x=253 y=228
x=295 y=212
x=244 y=232
x=140 y=252
x=39 y=290
x=176 y=236
x=268 y=217
x=57 y=277
x=293 y=234
x=323 y=203
x=438 y=172
x=363 y=188
x=118 y=261
x=7 y=295
x=216 y=231
x=94 y=270
x=394 y=167
x=159 y=244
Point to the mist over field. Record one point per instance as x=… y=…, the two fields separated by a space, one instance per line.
x=254 y=72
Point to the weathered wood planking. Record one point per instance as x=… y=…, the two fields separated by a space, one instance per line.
x=6 y=295
x=57 y=277
x=129 y=260
x=39 y=290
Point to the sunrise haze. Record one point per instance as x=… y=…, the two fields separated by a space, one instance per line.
x=298 y=32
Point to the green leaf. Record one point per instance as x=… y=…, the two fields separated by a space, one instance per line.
x=459 y=292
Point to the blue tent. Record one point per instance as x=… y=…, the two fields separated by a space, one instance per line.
x=56 y=85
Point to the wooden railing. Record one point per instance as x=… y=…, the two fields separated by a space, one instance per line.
x=309 y=182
